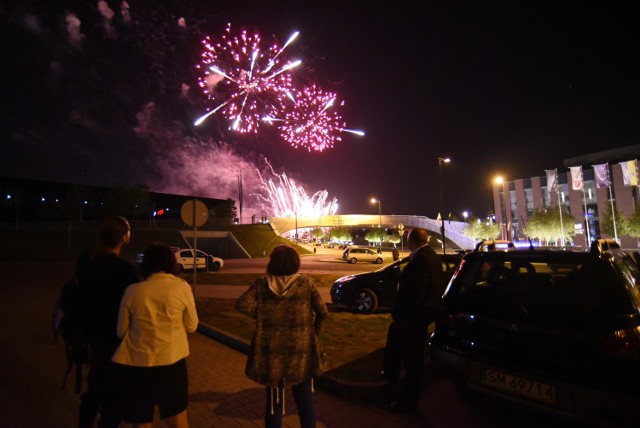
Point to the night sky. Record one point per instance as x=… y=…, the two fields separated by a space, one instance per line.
x=509 y=88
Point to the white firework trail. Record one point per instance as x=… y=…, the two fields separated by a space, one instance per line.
x=282 y=197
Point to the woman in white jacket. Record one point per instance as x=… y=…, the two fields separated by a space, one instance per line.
x=155 y=316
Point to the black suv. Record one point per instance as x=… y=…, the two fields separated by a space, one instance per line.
x=559 y=330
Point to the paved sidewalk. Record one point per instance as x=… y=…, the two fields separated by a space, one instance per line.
x=32 y=368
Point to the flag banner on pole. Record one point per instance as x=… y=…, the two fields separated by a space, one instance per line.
x=601 y=173
x=576 y=178
x=552 y=180
x=629 y=173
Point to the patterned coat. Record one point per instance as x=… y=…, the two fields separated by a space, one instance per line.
x=285 y=343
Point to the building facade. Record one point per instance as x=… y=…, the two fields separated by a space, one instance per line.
x=515 y=201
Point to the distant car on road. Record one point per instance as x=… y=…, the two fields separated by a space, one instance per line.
x=204 y=261
x=358 y=254
x=366 y=292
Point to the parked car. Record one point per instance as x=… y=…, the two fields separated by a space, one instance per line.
x=556 y=330
x=366 y=292
x=204 y=261
x=359 y=254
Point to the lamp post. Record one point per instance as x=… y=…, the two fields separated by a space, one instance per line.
x=440 y=162
x=379 y=202
x=503 y=212
x=401 y=232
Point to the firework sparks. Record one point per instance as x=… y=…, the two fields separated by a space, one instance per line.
x=284 y=198
x=247 y=75
x=314 y=122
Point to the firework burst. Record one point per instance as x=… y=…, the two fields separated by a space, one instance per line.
x=244 y=78
x=284 y=198
x=314 y=121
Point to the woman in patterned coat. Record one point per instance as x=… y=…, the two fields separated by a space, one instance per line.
x=284 y=351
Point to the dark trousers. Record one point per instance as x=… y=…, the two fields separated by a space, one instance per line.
x=405 y=347
x=102 y=395
x=302 y=395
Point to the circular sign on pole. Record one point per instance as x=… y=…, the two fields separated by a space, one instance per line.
x=194 y=213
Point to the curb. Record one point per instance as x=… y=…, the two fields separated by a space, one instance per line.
x=367 y=391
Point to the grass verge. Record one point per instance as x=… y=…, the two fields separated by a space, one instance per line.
x=353 y=344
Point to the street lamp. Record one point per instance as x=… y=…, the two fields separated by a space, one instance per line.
x=379 y=202
x=440 y=162
x=499 y=180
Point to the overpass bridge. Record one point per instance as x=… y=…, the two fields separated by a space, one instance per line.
x=453 y=229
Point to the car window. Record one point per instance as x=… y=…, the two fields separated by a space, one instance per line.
x=631 y=277
x=580 y=286
x=186 y=254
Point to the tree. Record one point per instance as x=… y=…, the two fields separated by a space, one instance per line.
x=624 y=226
x=545 y=225
x=317 y=233
x=341 y=234
x=479 y=230
x=375 y=235
x=225 y=212
x=394 y=238
x=634 y=224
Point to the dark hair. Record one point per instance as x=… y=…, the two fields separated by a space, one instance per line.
x=158 y=258
x=111 y=231
x=418 y=236
x=284 y=260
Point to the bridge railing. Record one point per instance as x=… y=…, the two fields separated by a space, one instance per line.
x=453 y=229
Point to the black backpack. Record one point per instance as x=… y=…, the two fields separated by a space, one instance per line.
x=69 y=322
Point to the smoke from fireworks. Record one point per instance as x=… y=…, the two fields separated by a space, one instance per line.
x=244 y=78
x=285 y=198
x=186 y=168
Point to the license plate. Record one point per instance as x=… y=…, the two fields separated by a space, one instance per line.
x=519 y=386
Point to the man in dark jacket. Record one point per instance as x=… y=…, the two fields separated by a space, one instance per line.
x=420 y=288
x=103 y=276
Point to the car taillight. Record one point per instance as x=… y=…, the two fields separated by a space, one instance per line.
x=624 y=344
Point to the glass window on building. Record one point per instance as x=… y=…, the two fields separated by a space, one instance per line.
x=528 y=200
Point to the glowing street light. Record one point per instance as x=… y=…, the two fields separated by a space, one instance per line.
x=379 y=202
x=499 y=180
x=440 y=162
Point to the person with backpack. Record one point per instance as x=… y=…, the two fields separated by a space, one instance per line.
x=102 y=276
x=155 y=317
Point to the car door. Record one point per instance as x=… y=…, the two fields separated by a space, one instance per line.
x=185 y=258
x=387 y=287
x=201 y=259
x=369 y=256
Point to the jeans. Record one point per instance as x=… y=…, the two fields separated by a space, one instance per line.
x=302 y=395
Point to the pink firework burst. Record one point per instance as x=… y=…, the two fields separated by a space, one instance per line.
x=314 y=122
x=244 y=78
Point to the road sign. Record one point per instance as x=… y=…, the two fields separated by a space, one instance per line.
x=194 y=213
